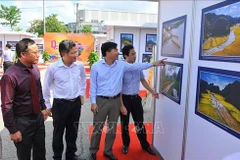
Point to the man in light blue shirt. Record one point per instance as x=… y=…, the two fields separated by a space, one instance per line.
x=7 y=57
x=67 y=77
x=133 y=102
x=106 y=80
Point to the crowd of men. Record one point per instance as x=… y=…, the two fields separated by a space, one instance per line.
x=26 y=102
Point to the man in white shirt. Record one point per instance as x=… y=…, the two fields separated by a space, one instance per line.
x=7 y=57
x=67 y=77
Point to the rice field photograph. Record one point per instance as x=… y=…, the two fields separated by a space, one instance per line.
x=126 y=39
x=220 y=32
x=173 y=37
x=218 y=98
x=171 y=81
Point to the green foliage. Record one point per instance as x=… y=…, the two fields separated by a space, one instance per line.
x=52 y=24
x=92 y=58
x=86 y=29
x=18 y=29
x=11 y=14
x=45 y=56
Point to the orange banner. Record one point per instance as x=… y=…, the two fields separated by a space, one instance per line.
x=52 y=40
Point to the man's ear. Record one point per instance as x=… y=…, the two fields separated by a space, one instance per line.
x=23 y=54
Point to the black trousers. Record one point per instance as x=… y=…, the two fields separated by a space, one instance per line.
x=66 y=115
x=133 y=106
x=33 y=137
x=6 y=65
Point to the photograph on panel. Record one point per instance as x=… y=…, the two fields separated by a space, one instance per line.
x=220 y=32
x=120 y=57
x=146 y=58
x=173 y=37
x=13 y=44
x=1 y=48
x=126 y=39
x=171 y=81
x=151 y=40
x=218 y=98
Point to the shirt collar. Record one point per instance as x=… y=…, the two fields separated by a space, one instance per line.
x=104 y=62
x=61 y=64
x=22 y=66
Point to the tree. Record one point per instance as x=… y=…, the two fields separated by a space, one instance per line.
x=86 y=29
x=11 y=14
x=52 y=25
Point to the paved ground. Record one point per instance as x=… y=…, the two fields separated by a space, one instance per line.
x=9 y=151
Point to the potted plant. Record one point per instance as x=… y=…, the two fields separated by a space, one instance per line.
x=45 y=56
x=92 y=58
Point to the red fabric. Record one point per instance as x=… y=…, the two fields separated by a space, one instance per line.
x=135 y=150
x=34 y=93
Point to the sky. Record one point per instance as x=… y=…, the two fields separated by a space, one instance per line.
x=218 y=79
x=232 y=10
x=66 y=8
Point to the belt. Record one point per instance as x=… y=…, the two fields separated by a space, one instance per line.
x=130 y=96
x=114 y=97
x=67 y=100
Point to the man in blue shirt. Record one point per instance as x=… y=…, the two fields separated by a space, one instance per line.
x=133 y=102
x=106 y=80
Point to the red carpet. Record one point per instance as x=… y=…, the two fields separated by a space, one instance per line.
x=135 y=150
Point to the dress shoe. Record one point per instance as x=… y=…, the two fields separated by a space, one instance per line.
x=150 y=151
x=125 y=149
x=111 y=156
x=92 y=156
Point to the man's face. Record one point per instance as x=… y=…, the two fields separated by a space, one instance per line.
x=131 y=58
x=32 y=54
x=113 y=54
x=72 y=55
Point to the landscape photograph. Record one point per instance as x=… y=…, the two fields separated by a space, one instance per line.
x=146 y=58
x=220 y=33
x=171 y=81
x=151 y=40
x=126 y=39
x=218 y=98
x=173 y=37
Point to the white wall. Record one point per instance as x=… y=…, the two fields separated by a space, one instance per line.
x=169 y=115
x=204 y=140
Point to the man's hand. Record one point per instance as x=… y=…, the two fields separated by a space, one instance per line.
x=46 y=113
x=123 y=110
x=82 y=100
x=94 y=108
x=160 y=62
x=16 y=137
x=155 y=94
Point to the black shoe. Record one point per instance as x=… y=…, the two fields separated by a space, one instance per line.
x=92 y=156
x=125 y=149
x=150 y=151
x=111 y=156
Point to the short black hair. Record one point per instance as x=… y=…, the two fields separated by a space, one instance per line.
x=22 y=45
x=126 y=49
x=8 y=45
x=65 y=46
x=107 y=47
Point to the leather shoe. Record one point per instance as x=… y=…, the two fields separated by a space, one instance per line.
x=150 y=151
x=92 y=156
x=111 y=156
x=125 y=149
